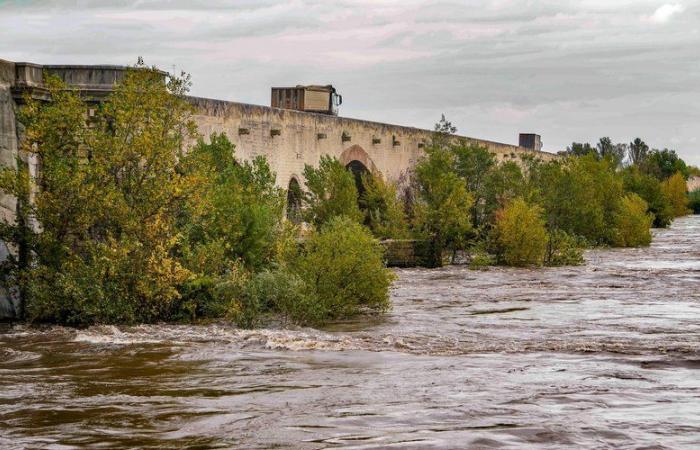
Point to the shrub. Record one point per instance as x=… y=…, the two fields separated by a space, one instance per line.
x=563 y=249
x=675 y=190
x=284 y=293
x=520 y=235
x=480 y=260
x=342 y=265
x=632 y=222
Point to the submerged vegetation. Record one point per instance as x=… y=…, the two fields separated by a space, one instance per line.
x=125 y=222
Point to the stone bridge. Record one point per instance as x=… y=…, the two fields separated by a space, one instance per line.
x=289 y=139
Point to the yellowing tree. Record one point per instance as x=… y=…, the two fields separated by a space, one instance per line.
x=520 y=234
x=107 y=198
x=632 y=222
x=674 y=189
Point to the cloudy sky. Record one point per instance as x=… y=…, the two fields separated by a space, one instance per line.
x=571 y=70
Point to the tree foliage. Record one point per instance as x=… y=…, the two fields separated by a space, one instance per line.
x=649 y=189
x=675 y=189
x=694 y=201
x=520 y=235
x=107 y=198
x=384 y=215
x=638 y=151
x=441 y=210
x=342 y=265
x=235 y=207
x=632 y=222
x=331 y=192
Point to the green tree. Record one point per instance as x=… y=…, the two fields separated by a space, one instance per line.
x=384 y=214
x=441 y=210
x=632 y=222
x=580 y=149
x=107 y=199
x=615 y=152
x=236 y=209
x=520 y=234
x=474 y=163
x=444 y=130
x=664 y=163
x=331 y=192
x=580 y=196
x=504 y=182
x=649 y=189
x=675 y=189
x=638 y=151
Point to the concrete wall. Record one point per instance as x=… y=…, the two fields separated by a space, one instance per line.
x=693 y=184
x=290 y=139
x=8 y=157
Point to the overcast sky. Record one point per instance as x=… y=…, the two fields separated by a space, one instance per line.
x=568 y=70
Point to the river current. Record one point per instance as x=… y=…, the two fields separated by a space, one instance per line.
x=606 y=355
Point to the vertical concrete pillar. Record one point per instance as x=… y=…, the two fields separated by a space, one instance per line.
x=8 y=158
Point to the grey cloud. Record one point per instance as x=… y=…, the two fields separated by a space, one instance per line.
x=571 y=70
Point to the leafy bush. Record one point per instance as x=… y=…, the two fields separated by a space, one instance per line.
x=632 y=222
x=480 y=260
x=563 y=249
x=234 y=212
x=675 y=191
x=280 y=292
x=342 y=265
x=520 y=235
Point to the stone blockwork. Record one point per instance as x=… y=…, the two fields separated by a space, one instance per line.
x=8 y=157
x=290 y=139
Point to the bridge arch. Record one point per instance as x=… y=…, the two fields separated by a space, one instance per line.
x=357 y=153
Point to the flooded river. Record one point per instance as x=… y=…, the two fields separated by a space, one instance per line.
x=601 y=356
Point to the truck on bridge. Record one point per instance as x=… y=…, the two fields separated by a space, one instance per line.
x=313 y=98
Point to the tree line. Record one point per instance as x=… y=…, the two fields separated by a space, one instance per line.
x=460 y=199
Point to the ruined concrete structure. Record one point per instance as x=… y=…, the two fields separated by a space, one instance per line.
x=288 y=139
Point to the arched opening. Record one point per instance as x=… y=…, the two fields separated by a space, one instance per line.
x=294 y=196
x=357 y=168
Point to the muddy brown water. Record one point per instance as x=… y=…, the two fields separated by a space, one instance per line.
x=601 y=356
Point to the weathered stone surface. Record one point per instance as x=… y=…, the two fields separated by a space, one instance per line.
x=693 y=184
x=8 y=158
x=391 y=150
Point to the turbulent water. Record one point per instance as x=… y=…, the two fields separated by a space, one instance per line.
x=601 y=356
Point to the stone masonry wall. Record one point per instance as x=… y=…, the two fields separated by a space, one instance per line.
x=8 y=157
x=290 y=139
